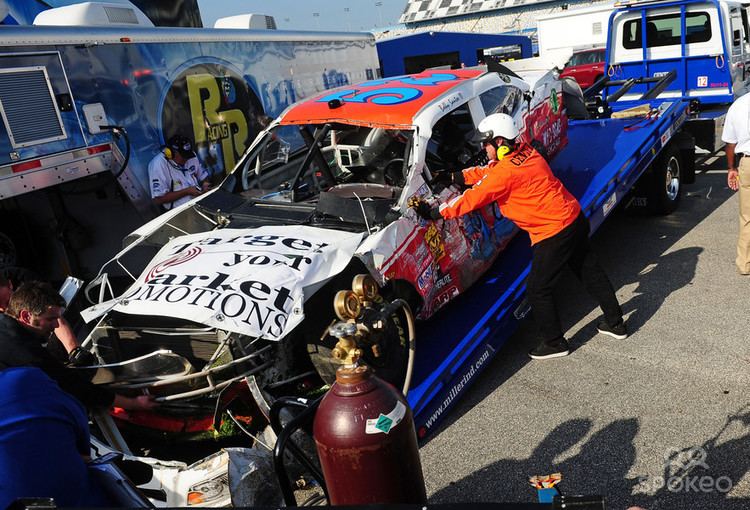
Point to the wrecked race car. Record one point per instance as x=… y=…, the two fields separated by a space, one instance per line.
x=308 y=254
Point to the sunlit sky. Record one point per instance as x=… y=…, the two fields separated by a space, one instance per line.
x=327 y=15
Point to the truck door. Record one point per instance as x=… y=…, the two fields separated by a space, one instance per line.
x=685 y=37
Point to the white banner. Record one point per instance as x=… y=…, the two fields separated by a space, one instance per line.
x=250 y=281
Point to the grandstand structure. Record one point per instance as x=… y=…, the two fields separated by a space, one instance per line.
x=517 y=17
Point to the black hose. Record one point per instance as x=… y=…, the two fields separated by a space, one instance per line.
x=76 y=190
x=284 y=441
x=118 y=132
x=315 y=499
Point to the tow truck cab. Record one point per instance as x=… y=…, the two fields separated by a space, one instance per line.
x=703 y=42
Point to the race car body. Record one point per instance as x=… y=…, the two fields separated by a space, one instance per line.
x=314 y=224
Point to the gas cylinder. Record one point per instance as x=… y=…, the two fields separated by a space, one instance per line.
x=365 y=437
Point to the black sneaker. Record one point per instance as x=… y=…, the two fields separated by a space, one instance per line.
x=617 y=331
x=557 y=349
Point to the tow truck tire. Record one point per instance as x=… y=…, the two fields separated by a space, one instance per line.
x=665 y=188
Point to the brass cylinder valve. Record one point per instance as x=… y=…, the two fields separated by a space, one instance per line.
x=349 y=306
x=346 y=349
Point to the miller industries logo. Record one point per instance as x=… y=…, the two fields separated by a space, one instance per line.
x=214 y=105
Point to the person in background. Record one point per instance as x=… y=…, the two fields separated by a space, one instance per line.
x=63 y=333
x=176 y=175
x=736 y=135
x=530 y=195
x=32 y=314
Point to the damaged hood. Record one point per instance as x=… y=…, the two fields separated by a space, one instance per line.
x=250 y=281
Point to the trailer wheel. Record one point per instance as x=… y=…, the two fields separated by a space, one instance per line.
x=666 y=182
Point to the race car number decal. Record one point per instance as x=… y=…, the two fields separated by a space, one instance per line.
x=389 y=95
x=383 y=97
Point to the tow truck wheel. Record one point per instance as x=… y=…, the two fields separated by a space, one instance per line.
x=666 y=182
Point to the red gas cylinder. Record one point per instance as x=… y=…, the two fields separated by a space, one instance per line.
x=364 y=432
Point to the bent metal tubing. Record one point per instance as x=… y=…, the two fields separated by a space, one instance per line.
x=208 y=374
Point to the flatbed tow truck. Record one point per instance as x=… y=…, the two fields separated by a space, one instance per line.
x=601 y=164
x=682 y=77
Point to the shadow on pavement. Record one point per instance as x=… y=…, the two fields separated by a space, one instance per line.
x=702 y=476
x=609 y=453
x=698 y=477
x=635 y=250
x=631 y=248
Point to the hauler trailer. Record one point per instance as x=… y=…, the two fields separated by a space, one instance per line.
x=70 y=97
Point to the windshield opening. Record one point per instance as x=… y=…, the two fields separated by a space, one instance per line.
x=296 y=163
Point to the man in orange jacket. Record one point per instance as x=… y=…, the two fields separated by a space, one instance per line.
x=529 y=194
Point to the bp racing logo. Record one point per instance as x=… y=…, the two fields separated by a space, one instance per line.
x=213 y=105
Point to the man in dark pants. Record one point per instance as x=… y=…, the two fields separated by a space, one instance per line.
x=33 y=314
x=529 y=194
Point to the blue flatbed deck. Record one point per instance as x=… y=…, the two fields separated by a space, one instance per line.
x=601 y=163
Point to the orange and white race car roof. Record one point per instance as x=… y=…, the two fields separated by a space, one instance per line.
x=388 y=102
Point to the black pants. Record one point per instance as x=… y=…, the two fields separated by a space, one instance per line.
x=568 y=247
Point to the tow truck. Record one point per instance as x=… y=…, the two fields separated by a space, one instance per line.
x=702 y=47
x=682 y=76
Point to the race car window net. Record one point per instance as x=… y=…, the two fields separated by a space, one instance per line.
x=504 y=99
x=450 y=147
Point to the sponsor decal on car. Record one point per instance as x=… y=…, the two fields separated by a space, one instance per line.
x=249 y=281
x=434 y=242
x=445 y=297
x=425 y=279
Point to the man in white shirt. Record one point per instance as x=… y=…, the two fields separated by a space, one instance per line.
x=736 y=135
x=176 y=175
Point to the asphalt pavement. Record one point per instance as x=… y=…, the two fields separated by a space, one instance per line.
x=661 y=419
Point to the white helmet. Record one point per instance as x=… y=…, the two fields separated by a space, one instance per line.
x=497 y=124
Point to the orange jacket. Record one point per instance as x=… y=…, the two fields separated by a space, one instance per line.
x=526 y=190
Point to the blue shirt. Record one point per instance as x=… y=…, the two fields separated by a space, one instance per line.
x=43 y=433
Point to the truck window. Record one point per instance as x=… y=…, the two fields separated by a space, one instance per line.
x=505 y=99
x=664 y=30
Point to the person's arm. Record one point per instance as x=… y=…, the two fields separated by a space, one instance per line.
x=65 y=334
x=492 y=189
x=733 y=175
x=204 y=177
x=141 y=402
x=473 y=175
x=730 y=137
x=171 y=196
